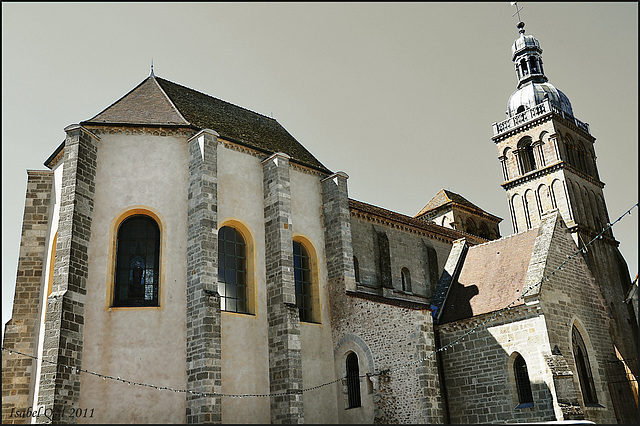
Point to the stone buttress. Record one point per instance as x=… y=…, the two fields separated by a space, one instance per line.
x=21 y=331
x=285 y=361
x=203 y=301
x=64 y=325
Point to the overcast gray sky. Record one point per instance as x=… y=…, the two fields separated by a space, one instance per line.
x=400 y=96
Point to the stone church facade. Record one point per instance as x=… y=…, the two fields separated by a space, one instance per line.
x=186 y=260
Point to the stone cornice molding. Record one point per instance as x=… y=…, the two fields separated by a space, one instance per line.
x=559 y=165
x=381 y=220
x=519 y=312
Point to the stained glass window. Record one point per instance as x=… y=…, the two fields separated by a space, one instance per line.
x=232 y=270
x=302 y=275
x=137 y=262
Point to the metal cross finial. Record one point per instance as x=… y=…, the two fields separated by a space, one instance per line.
x=515 y=3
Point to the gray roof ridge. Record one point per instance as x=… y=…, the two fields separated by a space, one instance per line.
x=155 y=80
x=122 y=98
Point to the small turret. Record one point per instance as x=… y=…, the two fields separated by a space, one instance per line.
x=533 y=84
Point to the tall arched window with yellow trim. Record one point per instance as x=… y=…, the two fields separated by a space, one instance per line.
x=303 y=282
x=137 y=262
x=232 y=271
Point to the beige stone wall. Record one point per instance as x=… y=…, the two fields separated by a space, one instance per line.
x=144 y=345
x=317 y=353
x=245 y=353
x=573 y=298
x=479 y=374
x=407 y=250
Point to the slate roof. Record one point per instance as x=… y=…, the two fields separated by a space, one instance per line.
x=492 y=276
x=159 y=102
x=400 y=218
x=446 y=198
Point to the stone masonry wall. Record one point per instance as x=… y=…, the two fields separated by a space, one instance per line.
x=572 y=297
x=386 y=335
x=64 y=326
x=394 y=335
x=479 y=375
x=21 y=330
x=203 y=301
x=285 y=359
x=422 y=256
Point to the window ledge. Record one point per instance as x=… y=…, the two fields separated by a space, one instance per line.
x=525 y=405
x=595 y=406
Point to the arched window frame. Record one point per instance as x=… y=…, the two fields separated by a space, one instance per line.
x=405 y=275
x=353 y=381
x=484 y=231
x=250 y=280
x=314 y=316
x=522 y=382
x=122 y=216
x=526 y=156
x=356 y=269
x=583 y=368
x=470 y=226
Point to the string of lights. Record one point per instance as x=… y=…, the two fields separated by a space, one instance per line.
x=379 y=373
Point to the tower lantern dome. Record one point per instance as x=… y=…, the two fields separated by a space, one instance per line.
x=533 y=86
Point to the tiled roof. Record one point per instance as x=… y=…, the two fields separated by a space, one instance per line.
x=492 y=276
x=400 y=218
x=159 y=102
x=445 y=197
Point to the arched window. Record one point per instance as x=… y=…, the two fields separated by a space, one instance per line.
x=527 y=159
x=484 y=231
x=303 y=284
x=406 y=279
x=471 y=226
x=356 y=267
x=353 y=381
x=583 y=367
x=232 y=271
x=523 y=385
x=137 y=262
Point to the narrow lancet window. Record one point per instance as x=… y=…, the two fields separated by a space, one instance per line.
x=353 y=381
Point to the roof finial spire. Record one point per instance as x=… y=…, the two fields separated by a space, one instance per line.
x=152 y=74
x=520 y=24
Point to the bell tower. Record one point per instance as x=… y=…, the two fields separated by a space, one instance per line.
x=548 y=162
x=547 y=155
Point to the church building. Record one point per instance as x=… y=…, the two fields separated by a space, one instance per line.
x=187 y=260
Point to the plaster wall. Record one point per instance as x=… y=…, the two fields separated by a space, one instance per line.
x=145 y=345
x=317 y=355
x=245 y=352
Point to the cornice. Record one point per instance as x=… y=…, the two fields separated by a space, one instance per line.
x=559 y=165
x=518 y=312
x=539 y=120
x=415 y=229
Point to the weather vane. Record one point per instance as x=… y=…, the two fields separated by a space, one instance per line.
x=515 y=3
x=152 y=74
